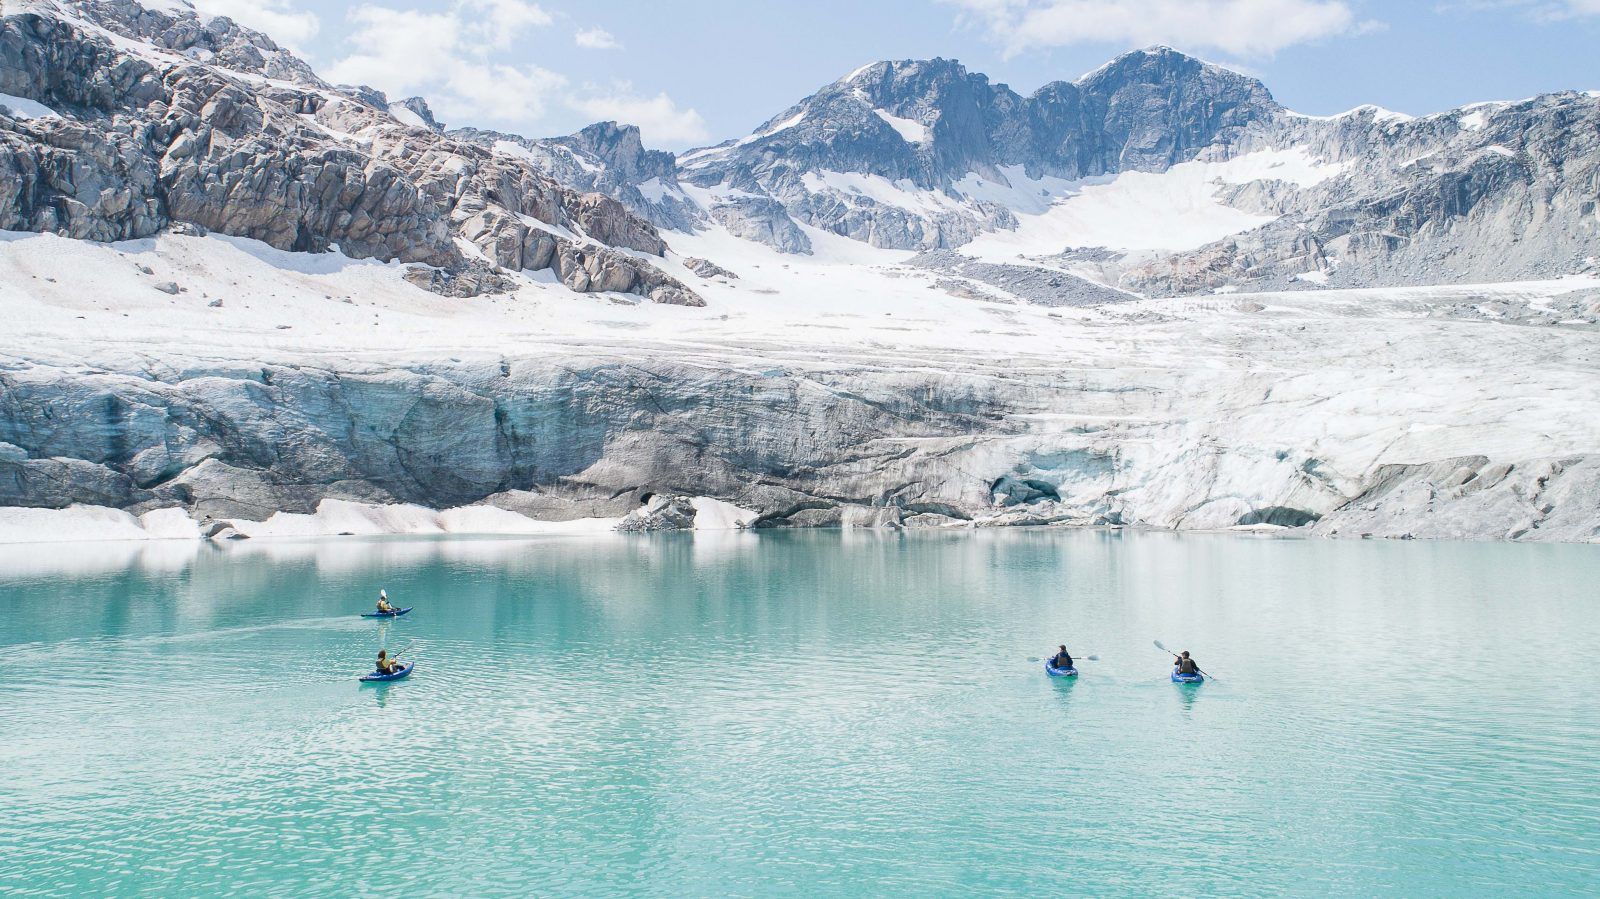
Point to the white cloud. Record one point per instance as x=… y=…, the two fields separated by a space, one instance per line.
x=503 y=21
x=1543 y=10
x=1244 y=27
x=456 y=59
x=660 y=121
x=444 y=56
x=278 y=19
x=596 y=39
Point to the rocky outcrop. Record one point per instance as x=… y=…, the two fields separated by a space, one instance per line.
x=705 y=268
x=1039 y=286
x=610 y=159
x=161 y=129
x=762 y=220
x=1495 y=192
x=419 y=108
x=660 y=513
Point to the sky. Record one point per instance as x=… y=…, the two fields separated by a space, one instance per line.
x=695 y=72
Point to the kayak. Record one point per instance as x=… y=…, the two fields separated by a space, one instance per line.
x=375 y=676
x=395 y=614
x=1186 y=678
x=1053 y=671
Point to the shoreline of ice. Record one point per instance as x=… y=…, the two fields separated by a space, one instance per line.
x=333 y=518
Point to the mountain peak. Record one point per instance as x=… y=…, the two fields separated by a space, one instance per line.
x=1158 y=59
x=896 y=66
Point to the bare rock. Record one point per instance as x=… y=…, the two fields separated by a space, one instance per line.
x=705 y=268
x=660 y=513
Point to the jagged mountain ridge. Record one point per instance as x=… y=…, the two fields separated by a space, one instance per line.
x=923 y=155
x=933 y=123
x=159 y=118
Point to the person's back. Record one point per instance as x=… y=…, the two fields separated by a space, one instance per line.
x=1063 y=659
x=1187 y=665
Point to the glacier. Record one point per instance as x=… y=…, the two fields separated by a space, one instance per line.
x=242 y=302
x=824 y=392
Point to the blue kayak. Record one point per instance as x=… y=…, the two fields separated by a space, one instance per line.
x=375 y=676
x=395 y=614
x=1053 y=671
x=1186 y=678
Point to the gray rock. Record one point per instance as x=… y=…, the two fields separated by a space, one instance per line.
x=660 y=513
x=419 y=107
x=610 y=159
x=705 y=268
x=762 y=220
x=1037 y=286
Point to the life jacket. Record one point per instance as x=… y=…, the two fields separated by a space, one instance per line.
x=1187 y=666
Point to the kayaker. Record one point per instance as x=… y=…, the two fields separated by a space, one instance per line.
x=1063 y=659
x=383 y=602
x=1186 y=665
x=387 y=665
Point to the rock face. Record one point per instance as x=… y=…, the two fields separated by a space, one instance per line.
x=763 y=220
x=172 y=125
x=607 y=158
x=1493 y=192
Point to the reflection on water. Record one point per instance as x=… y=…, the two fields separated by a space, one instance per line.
x=829 y=713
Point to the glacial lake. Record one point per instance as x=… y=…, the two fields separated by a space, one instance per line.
x=801 y=713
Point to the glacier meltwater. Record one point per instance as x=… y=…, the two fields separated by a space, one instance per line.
x=810 y=713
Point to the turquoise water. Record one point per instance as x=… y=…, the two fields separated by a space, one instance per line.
x=801 y=713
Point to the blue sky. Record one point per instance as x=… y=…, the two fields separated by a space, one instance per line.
x=691 y=73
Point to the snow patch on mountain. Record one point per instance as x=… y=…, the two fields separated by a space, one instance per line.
x=23 y=108
x=912 y=130
x=697 y=158
x=1377 y=113
x=1178 y=209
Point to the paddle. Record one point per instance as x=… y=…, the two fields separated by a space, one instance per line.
x=1175 y=655
x=396 y=655
x=1088 y=658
